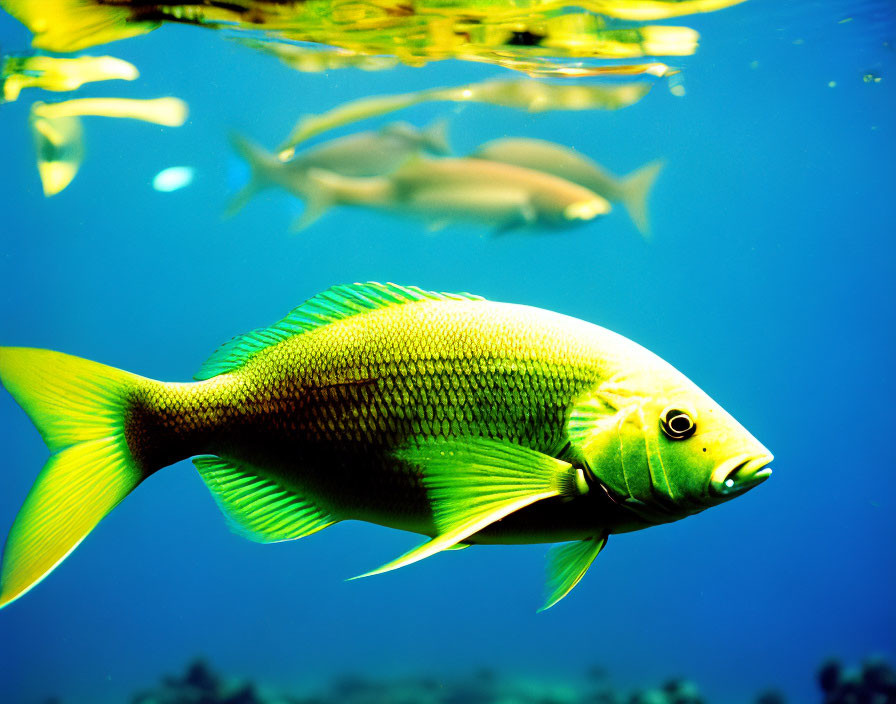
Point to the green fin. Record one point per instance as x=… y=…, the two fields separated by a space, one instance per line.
x=567 y=564
x=79 y=408
x=474 y=482
x=259 y=508
x=336 y=303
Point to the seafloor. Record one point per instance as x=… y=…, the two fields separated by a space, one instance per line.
x=874 y=682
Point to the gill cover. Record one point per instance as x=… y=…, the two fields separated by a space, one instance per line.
x=606 y=432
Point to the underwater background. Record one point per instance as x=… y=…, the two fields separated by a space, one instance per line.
x=769 y=281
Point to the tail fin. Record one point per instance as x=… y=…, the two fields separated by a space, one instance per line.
x=79 y=409
x=635 y=191
x=435 y=137
x=261 y=164
x=71 y=25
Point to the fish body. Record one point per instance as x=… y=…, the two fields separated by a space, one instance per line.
x=446 y=191
x=371 y=153
x=461 y=419
x=564 y=162
x=364 y=154
x=324 y=411
x=520 y=94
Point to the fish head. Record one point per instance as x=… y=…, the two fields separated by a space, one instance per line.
x=664 y=449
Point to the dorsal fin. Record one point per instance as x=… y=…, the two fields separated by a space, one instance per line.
x=336 y=303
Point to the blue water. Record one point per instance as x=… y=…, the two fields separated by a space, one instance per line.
x=769 y=282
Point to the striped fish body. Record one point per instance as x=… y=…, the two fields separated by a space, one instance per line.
x=324 y=411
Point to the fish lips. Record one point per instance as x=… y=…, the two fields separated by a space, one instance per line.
x=741 y=473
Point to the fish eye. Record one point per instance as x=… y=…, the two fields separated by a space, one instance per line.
x=677 y=424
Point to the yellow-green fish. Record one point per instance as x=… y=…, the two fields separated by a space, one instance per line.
x=464 y=420
x=362 y=154
x=631 y=190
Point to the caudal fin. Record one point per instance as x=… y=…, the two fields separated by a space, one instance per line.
x=635 y=192
x=79 y=409
x=70 y=25
x=261 y=165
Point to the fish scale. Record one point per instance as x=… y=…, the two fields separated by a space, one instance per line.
x=440 y=369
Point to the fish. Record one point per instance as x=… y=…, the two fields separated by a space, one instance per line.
x=632 y=190
x=540 y=96
x=363 y=154
x=464 y=420
x=59 y=148
x=452 y=190
x=519 y=93
x=171 y=112
x=56 y=74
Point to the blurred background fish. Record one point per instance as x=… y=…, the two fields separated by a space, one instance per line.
x=521 y=94
x=373 y=153
x=451 y=190
x=632 y=190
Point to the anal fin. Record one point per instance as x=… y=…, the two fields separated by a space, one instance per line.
x=473 y=482
x=567 y=564
x=260 y=508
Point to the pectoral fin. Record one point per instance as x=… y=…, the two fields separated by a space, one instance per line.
x=257 y=507
x=474 y=482
x=567 y=564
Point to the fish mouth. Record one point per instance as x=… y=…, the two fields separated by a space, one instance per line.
x=741 y=473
